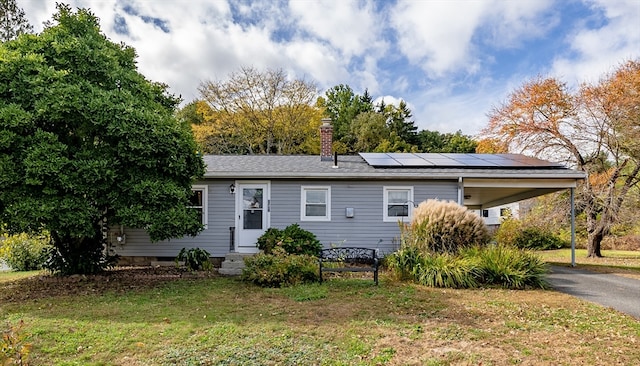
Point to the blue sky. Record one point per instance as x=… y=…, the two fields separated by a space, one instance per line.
x=451 y=61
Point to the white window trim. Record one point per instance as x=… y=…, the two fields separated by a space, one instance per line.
x=385 y=216
x=205 y=202
x=303 y=201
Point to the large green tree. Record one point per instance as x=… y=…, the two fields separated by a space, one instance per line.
x=436 y=142
x=343 y=105
x=399 y=121
x=13 y=21
x=86 y=141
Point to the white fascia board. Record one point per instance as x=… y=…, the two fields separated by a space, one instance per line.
x=520 y=183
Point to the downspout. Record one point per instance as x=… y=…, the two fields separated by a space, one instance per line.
x=460 y=192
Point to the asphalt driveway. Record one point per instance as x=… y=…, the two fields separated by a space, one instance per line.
x=620 y=293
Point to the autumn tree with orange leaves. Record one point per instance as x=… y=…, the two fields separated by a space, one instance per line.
x=595 y=129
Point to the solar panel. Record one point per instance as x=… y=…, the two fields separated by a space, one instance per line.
x=406 y=159
x=441 y=160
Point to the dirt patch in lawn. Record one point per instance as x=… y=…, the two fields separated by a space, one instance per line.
x=120 y=279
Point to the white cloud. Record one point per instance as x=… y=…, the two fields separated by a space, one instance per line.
x=513 y=22
x=446 y=36
x=596 y=51
x=348 y=25
x=437 y=35
x=436 y=55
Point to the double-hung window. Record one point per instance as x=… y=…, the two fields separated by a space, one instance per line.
x=198 y=201
x=398 y=204
x=315 y=203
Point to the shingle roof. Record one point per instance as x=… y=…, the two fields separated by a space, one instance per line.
x=355 y=167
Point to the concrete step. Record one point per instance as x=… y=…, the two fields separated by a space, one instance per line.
x=236 y=257
x=230 y=271
x=233 y=264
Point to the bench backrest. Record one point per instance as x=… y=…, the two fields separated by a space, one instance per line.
x=350 y=255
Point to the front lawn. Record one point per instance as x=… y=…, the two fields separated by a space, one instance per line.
x=173 y=320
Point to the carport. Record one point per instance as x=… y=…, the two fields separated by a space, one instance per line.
x=490 y=180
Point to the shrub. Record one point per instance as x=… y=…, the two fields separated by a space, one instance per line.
x=433 y=269
x=536 y=238
x=508 y=231
x=293 y=239
x=194 y=259
x=403 y=262
x=445 y=227
x=279 y=269
x=269 y=240
x=508 y=267
x=14 y=349
x=514 y=232
x=23 y=252
x=447 y=270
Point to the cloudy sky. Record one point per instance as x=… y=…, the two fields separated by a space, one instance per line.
x=451 y=61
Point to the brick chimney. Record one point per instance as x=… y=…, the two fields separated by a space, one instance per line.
x=326 y=140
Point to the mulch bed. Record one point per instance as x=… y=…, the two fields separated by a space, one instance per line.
x=118 y=280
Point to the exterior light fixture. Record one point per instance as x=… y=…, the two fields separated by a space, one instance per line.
x=232 y=188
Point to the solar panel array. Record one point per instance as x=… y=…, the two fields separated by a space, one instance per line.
x=441 y=160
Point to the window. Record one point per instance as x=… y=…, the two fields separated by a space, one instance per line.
x=398 y=204
x=198 y=201
x=315 y=204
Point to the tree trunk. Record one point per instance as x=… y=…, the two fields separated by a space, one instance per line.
x=593 y=245
x=78 y=255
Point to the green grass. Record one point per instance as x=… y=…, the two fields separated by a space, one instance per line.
x=626 y=263
x=221 y=321
x=565 y=254
x=6 y=276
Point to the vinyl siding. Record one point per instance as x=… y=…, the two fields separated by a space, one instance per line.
x=214 y=239
x=365 y=229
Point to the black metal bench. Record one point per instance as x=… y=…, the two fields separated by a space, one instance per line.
x=349 y=259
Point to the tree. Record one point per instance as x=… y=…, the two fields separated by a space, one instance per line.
x=13 y=21
x=399 y=121
x=342 y=105
x=436 y=142
x=459 y=143
x=261 y=112
x=491 y=146
x=596 y=129
x=369 y=130
x=87 y=141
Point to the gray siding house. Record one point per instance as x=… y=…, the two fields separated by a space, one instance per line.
x=354 y=200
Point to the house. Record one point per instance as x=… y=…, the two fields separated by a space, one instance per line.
x=355 y=200
x=493 y=216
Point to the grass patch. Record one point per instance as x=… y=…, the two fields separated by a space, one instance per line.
x=624 y=263
x=306 y=292
x=222 y=321
x=7 y=276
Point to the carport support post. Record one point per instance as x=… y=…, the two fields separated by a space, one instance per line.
x=573 y=231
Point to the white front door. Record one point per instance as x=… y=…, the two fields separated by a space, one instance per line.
x=252 y=214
